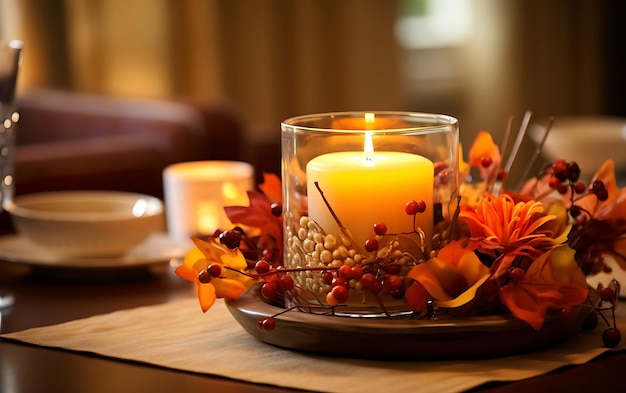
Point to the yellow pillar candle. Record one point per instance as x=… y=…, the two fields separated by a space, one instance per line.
x=364 y=188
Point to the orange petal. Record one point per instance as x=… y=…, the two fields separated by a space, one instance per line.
x=206 y=296
x=186 y=273
x=483 y=146
x=192 y=256
x=227 y=288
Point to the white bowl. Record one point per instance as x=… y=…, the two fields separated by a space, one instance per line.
x=86 y=223
x=587 y=140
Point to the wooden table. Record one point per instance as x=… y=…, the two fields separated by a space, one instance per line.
x=41 y=300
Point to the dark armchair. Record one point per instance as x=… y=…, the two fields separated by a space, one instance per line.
x=77 y=141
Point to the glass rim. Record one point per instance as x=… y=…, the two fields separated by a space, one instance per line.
x=423 y=121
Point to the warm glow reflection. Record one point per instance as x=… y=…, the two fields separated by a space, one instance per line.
x=207 y=219
x=230 y=191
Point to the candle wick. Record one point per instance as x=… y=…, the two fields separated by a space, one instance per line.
x=330 y=209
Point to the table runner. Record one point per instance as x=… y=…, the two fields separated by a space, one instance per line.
x=178 y=335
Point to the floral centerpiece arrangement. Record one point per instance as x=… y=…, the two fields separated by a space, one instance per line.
x=526 y=253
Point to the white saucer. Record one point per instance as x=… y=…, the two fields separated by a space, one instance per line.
x=157 y=249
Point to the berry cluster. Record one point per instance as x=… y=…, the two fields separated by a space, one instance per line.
x=565 y=177
x=609 y=296
x=376 y=273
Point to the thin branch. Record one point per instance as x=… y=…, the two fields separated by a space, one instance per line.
x=538 y=149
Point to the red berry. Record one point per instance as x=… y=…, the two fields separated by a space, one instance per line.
x=268 y=289
x=204 y=277
x=357 y=272
x=573 y=171
x=413 y=207
x=367 y=280
x=607 y=294
x=611 y=337
x=266 y=324
x=376 y=287
x=338 y=282
x=560 y=169
x=371 y=245
x=262 y=266
x=501 y=175
x=380 y=228
x=340 y=293
x=230 y=238
x=554 y=183
x=599 y=190
x=327 y=277
x=286 y=283
x=486 y=161
x=580 y=187
x=345 y=272
x=277 y=209
x=214 y=270
x=394 y=282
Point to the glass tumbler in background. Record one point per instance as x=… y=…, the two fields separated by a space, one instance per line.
x=10 y=55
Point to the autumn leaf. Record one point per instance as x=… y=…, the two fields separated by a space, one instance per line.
x=272 y=187
x=552 y=282
x=258 y=215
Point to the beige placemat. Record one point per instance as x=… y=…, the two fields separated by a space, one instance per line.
x=178 y=336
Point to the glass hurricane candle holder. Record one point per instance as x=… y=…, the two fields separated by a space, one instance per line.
x=366 y=196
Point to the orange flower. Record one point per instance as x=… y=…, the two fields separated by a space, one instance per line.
x=498 y=225
x=451 y=278
x=230 y=284
x=553 y=282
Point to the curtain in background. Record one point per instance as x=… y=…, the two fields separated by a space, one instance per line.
x=272 y=58
x=277 y=58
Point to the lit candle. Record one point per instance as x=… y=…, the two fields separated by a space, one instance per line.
x=369 y=121
x=364 y=188
x=197 y=191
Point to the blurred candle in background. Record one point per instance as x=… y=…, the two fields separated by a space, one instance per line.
x=196 y=193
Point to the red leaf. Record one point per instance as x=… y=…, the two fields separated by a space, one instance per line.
x=258 y=215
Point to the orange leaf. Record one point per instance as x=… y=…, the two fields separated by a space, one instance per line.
x=206 y=296
x=272 y=187
x=539 y=290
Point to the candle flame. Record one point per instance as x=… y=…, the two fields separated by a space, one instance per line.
x=368 y=147
x=370 y=120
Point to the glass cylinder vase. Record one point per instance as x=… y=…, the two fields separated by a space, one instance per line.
x=367 y=196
